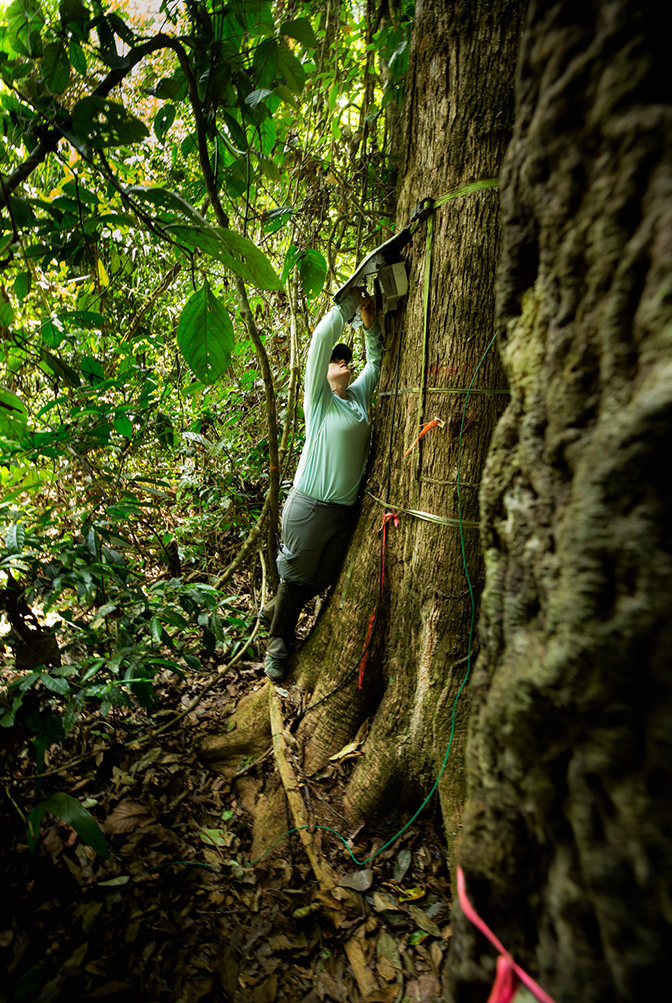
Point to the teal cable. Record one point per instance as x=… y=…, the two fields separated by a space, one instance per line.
x=362 y=863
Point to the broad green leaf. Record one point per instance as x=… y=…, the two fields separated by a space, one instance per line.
x=22 y=285
x=266 y=134
x=301 y=29
x=292 y=256
x=92 y=369
x=99 y=122
x=291 y=69
x=124 y=426
x=172 y=88
x=86 y=319
x=166 y=199
x=163 y=120
x=55 y=67
x=77 y=57
x=52 y=332
x=13 y=416
x=255 y=98
x=55 y=685
x=205 y=335
x=156 y=629
x=274 y=219
x=265 y=63
x=286 y=95
x=236 y=252
x=69 y=810
x=15 y=538
x=25 y=21
x=313 y=271
x=6 y=314
x=60 y=368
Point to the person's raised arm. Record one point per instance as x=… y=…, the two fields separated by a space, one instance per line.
x=367 y=381
x=325 y=335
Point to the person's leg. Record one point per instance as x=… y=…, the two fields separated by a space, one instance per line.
x=307 y=527
x=334 y=550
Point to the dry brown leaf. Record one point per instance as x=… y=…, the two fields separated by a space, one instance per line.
x=127 y=816
x=347 y=752
x=423 y=989
x=267 y=991
x=381 y=901
x=387 y=995
x=389 y=962
x=423 y=921
x=363 y=974
x=360 y=880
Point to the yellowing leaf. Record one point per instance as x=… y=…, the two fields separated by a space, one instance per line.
x=347 y=750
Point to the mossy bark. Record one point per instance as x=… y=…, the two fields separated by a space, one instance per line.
x=566 y=830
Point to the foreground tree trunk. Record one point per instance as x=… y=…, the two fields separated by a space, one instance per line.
x=458 y=116
x=566 y=845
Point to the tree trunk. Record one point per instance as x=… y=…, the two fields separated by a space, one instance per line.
x=458 y=115
x=566 y=846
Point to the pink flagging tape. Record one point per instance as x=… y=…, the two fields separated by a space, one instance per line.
x=508 y=972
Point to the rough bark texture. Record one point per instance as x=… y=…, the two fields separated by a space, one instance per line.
x=566 y=847
x=458 y=121
x=418 y=656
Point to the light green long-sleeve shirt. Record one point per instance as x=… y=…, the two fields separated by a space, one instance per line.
x=337 y=431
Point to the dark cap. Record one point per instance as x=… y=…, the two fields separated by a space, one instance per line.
x=339 y=352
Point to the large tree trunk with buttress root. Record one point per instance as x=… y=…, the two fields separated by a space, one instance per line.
x=566 y=845
x=458 y=119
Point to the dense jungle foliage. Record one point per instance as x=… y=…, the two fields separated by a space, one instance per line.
x=180 y=195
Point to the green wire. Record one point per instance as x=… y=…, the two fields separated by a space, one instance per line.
x=362 y=863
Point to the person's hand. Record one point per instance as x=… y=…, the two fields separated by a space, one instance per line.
x=367 y=308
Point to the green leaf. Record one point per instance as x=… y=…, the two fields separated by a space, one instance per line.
x=22 y=285
x=99 y=122
x=69 y=810
x=15 y=538
x=205 y=335
x=274 y=219
x=265 y=63
x=163 y=120
x=83 y=319
x=55 y=67
x=124 y=426
x=52 y=332
x=313 y=271
x=166 y=199
x=25 y=21
x=59 y=686
x=236 y=252
x=92 y=369
x=291 y=69
x=6 y=314
x=60 y=368
x=292 y=256
x=301 y=29
x=13 y=416
x=156 y=629
x=77 y=57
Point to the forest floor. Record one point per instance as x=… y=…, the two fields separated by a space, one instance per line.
x=177 y=912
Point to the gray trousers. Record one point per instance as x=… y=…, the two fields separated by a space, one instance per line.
x=315 y=537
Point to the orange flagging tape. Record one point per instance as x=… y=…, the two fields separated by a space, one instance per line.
x=423 y=430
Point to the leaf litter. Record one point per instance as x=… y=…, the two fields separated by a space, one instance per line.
x=177 y=913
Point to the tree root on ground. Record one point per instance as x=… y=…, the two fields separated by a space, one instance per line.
x=322 y=870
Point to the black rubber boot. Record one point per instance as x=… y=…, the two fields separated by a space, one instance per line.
x=288 y=603
x=265 y=615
